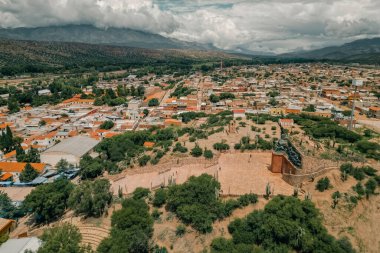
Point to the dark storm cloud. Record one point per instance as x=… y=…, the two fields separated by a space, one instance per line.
x=265 y=25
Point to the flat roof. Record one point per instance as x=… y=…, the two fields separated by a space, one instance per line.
x=77 y=146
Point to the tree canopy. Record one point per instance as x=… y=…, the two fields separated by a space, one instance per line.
x=62 y=239
x=132 y=228
x=48 y=202
x=91 y=198
x=286 y=224
x=28 y=174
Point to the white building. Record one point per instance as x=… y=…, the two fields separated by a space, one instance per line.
x=71 y=149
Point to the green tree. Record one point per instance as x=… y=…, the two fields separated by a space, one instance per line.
x=286 y=224
x=153 y=102
x=91 y=198
x=196 y=151
x=62 y=239
x=323 y=184
x=160 y=197
x=7 y=209
x=108 y=124
x=13 y=105
x=28 y=174
x=48 y=202
x=132 y=228
x=214 y=98
x=62 y=165
x=208 y=154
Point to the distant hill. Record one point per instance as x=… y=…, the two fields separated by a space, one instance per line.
x=19 y=56
x=92 y=35
x=365 y=51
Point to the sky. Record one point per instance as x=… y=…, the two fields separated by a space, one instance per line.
x=276 y=26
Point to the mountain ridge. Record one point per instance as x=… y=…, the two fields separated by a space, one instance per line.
x=92 y=35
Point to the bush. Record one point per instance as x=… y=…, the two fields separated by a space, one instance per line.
x=144 y=160
x=276 y=229
x=160 y=197
x=196 y=151
x=140 y=193
x=180 y=230
x=156 y=214
x=208 y=154
x=323 y=184
x=221 y=146
x=359 y=189
x=179 y=148
x=370 y=187
x=369 y=171
x=247 y=199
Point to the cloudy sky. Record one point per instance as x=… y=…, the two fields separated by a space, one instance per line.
x=257 y=25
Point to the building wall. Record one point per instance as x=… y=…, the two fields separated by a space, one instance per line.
x=280 y=164
x=53 y=158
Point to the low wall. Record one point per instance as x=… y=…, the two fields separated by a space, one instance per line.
x=298 y=179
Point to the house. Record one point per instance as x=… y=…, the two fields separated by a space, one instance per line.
x=44 y=92
x=149 y=144
x=238 y=113
x=374 y=112
x=21 y=245
x=286 y=122
x=6 y=226
x=293 y=110
x=15 y=168
x=72 y=149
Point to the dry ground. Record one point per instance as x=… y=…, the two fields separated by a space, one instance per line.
x=238 y=173
x=360 y=224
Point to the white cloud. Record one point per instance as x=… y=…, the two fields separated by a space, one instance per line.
x=258 y=25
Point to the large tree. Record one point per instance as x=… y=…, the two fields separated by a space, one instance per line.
x=132 y=228
x=62 y=239
x=91 y=198
x=286 y=224
x=28 y=174
x=48 y=202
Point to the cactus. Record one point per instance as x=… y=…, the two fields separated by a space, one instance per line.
x=267 y=191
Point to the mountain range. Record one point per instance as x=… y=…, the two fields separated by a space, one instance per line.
x=92 y=35
x=366 y=51
x=82 y=46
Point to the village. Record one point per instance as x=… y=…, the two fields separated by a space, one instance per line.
x=252 y=121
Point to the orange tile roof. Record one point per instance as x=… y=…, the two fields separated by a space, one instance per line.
x=238 y=111
x=6 y=176
x=149 y=144
x=374 y=108
x=18 y=167
x=111 y=134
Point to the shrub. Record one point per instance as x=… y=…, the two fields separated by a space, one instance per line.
x=208 y=154
x=221 y=146
x=370 y=186
x=247 y=199
x=144 y=160
x=196 y=151
x=276 y=229
x=156 y=214
x=359 y=189
x=369 y=171
x=140 y=193
x=180 y=230
x=323 y=184
x=160 y=197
